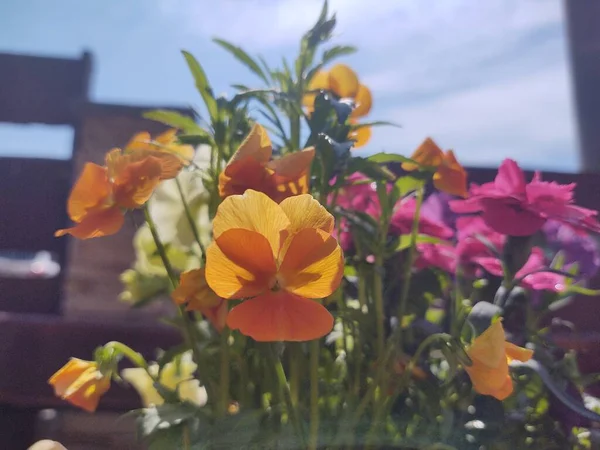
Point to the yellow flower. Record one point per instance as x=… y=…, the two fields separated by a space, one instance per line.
x=176 y=376
x=343 y=82
x=80 y=383
x=491 y=355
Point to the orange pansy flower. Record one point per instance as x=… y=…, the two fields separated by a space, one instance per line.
x=251 y=167
x=276 y=258
x=491 y=355
x=193 y=291
x=80 y=383
x=172 y=156
x=343 y=82
x=101 y=194
x=449 y=175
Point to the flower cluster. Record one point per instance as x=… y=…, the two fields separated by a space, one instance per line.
x=372 y=300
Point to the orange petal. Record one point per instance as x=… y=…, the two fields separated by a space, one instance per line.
x=488 y=347
x=217 y=315
x=515 y=352
x=304 y=211
x=256 y=145
x=343 y=81
x=280 y=316
x=450 y=176
x=312 y=265
x=136 y=181
x=67 y=374
x=140 y=141
x=428 y=154
x=488 y=381
x=86 y=391
x=96 y=224
x=252 y=211
x=320 y=81
x=167 y=137
x=290 y=174
x=360 y=136
x=240 y=264
x=91 y=190
x=194 y=290
x=363 y=100
x=245 y=174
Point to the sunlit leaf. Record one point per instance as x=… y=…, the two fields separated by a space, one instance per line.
x=243 y=57
x=202 y=85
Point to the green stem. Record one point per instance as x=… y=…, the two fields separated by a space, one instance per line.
x=190 y=219
x=275 y=363
x=189 y=333
x=295 y=367
x=135 y=357
x=378 y=298
x=224 y=374
x=409 y=261
x=314 y=394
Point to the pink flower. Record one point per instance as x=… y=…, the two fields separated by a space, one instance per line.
x=467 y=250
x=403 y=217
x=511 y=206
x=532 y=273
x=359 y=194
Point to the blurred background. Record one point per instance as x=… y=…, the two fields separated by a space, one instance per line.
x=493 y=79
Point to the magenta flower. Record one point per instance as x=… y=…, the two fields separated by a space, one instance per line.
x=511 y=206
x=532 y=275
x=467 y=250
x=403 y=217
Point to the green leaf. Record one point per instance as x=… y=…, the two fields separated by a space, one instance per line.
x=408 y=184
x=404 y=241
x=375 y=123
x=383 y=158
x=202 y=85
x=337 y=51
x=577 y=289
x=196 y=139
x=370 y=168
x=173 y=119
x=242 y=57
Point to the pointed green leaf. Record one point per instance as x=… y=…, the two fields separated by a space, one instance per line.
x=202 y=85
x=242 y=57
x=375 y=123
x=173 y=119
x=336 y=52
x=383 y=158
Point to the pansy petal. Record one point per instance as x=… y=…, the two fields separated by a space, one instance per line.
x=256 y=145
x=514 y=352
x=363 y=100
x=488 y=347
x=253 y=211
x=312 y=265
x=292 y=165
x=451 y=177
x=91 y=189
x=428 y=154
x=361 y=136
x=96 y=224
x=343 y=81
x=280 y=316
x=304 y=211
x=240 y=264
x=135 y=183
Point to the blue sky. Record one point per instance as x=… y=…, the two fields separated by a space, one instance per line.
x=488 y=79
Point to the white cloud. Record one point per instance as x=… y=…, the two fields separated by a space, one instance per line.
x=489 y=78
x=528 y=119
